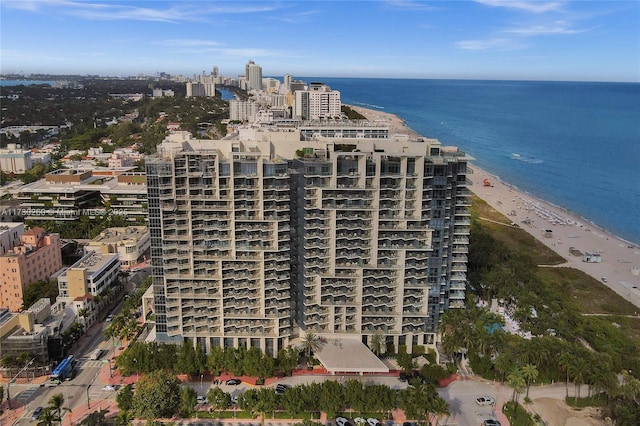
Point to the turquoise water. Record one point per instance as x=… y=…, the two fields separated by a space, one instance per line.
x=574 y=144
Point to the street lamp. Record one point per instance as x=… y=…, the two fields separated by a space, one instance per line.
x=137 y=372
x=14 y=379
x=88 y=386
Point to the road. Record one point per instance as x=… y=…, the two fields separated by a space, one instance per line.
x=84 y=385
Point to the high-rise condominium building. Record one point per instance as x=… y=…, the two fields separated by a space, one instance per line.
x=317 y=101
x=255 y=242
x=254 y=77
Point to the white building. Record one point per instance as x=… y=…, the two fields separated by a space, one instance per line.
x=242 y=110
x=14 y=159
x=10 y=233
x=317 y=101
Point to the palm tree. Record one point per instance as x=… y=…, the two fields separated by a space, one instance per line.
x=516 y=381
x=566 y=362
x=311 y=343
x=530 y=374
x=378 y=343
x=84 y=313
x=124 y=418
x=47 y=417
x=56 y=403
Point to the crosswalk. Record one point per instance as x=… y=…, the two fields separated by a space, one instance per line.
x=25 y=395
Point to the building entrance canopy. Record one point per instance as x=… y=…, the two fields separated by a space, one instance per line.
x=343 y=355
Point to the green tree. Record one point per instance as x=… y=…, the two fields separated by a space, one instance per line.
x=310 y=343
x=530 y=374
x=124 y=418
x=287 y=359
x=47 y=417
x=188 y=401
x=267 y=401
x=124 y=398
x=516 y=381
x=218 y=399
x=418 y=401
x=84 y=314
x=378 y=343
x=331 y=398
x=355 y=395
x=157 y=395
x=56 y=405
x=97 y=418
x=406 y=362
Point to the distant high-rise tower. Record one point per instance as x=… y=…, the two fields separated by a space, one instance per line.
x=215 y=71
x=288 y=78
x=246 y=69
x=254 y=77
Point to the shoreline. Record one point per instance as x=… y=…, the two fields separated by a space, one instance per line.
x=564 y=231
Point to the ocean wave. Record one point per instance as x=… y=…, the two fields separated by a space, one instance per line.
x=366 y=105
x=525 y=159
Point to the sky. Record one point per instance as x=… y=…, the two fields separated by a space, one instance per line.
x=484 y=39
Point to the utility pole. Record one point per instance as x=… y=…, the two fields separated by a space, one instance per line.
x=14 y=379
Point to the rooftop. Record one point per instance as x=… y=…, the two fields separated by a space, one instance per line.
x=344 y=355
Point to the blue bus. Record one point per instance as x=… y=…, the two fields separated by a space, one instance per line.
x=64 y=369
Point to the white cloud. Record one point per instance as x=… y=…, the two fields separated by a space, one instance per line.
x=409 y=5
x=183 y=11
x=188 y=42
x=491 y=43
x=528 y=6
x=557 y=27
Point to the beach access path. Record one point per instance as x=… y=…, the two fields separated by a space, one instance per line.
x=555 y=227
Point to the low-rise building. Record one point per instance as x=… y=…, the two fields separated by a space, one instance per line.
x=94 y=275
x=37 y=257
x=132 y=244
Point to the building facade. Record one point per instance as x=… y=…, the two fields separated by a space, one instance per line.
x=36 y=258
x=317 y=101
x=14 y=159
x=255 y=242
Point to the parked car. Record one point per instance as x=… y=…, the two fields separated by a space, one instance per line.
x=491 y=422
x=233 y=382
x=36 y=413
x=485 y=400
x=341 y=421
x=281 y=388
x=108 y=388
x=201 y=399
x=360 y=421
x=109 y=318
x=373 y=422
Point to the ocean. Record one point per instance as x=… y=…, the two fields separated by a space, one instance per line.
x=574 y=144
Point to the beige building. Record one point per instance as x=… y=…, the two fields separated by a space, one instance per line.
x=94 y=275
x=343 y=231
x=36 y=258
x=131 y=244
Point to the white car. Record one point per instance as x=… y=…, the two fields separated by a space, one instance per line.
x=360 y=421
x=341 y=421
x=373 y=422
x=108 y=388
x=485 y=400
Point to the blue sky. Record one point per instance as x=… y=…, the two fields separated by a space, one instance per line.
x=484 y=39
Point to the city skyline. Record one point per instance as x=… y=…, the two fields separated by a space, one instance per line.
x=484 y=39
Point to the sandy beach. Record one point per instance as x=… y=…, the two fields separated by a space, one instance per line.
x=615 y=262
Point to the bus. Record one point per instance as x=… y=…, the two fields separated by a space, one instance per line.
x=63 y=370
